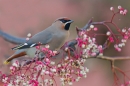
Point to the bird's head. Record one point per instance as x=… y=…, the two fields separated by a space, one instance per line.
x=63 y=22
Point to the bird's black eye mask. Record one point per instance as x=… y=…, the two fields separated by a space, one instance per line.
x=67 y=26
x=64 y=21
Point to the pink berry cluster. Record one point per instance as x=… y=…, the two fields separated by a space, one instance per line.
x=43 y=72
x=125 y=33
x=121 y=10
x=120 y=37
x=87 y=43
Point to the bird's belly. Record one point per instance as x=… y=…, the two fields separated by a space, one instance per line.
x=31 y=52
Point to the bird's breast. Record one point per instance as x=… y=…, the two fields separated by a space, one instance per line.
x=58 y=40
x=31 y=52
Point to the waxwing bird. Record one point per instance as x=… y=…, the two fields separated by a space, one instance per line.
x=55 y=36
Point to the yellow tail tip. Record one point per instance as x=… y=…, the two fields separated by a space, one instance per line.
x=6 y=62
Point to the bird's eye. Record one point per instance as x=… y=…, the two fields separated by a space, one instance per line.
x=63 y=20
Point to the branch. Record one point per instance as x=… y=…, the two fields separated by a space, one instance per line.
x=112 y=58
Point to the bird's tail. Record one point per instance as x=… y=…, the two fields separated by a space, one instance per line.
x=6 y=62
x=16 y=55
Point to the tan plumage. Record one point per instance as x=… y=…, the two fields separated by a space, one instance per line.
x=55 y=35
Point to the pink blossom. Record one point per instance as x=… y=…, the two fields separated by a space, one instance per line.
x=111 y=39
x=111 y=8
x=126 y=37
x=37 y=47
x=95 y=28
x=34 y=82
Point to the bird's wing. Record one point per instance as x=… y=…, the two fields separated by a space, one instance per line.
x=43 y=38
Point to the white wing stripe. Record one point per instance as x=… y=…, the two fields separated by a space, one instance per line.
x=25 y=44
x=33 y=45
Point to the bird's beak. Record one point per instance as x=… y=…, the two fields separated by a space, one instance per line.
x=70 y=21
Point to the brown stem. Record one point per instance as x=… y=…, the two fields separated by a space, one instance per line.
x=116 y=79
x=39 y=72
x=117 y=28
x=114 y=68
x=111 y=32
x=112 y=58
x=54 y=81
x=114 y=16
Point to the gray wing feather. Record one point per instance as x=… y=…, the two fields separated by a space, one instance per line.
x=43 y=37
